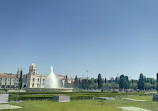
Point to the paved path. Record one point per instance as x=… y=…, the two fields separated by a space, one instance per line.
x=8 y=106
x=132 y=109
x=133 y=99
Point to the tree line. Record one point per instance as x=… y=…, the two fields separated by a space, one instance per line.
x=119 y=82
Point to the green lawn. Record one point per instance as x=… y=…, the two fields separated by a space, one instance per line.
x=87 y=105
x=147 y=98
x=77 y=105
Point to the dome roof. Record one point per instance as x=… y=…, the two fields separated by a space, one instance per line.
x=33 y=66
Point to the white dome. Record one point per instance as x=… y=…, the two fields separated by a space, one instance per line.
x=33 y=66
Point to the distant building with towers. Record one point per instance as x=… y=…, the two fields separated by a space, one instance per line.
x=30 y=80
x=35 y=80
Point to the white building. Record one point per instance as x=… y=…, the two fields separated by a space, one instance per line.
x=7 y=80
x=30 y=80
x=34 y=80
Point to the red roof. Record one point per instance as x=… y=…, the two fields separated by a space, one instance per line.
x=7 y=75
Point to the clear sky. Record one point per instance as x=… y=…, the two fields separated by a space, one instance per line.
x=103 y=36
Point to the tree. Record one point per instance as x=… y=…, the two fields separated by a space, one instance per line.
x=133 y=84
x=20 y=79
x=150 y=82
x=95 y=86
x=76 y=83
x=66 y=82
x=117 y=79
x=113 y=85
x=111 y=80
x=157 y=81
x=124 y=82
x=92 y=83
x=141 y=82
x=100 y=81
x=79 y=83
x=148 y=86
x=127 y=83
x=85 y=84
x=105 y=80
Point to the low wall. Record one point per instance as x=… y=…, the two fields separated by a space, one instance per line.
x=49 y=89
x=3 y=98
x=155 y=97
x=61 y=98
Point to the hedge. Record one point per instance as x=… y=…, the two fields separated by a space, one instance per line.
x=73 y=95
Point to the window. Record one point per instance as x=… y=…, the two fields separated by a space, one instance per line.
x=33 y=79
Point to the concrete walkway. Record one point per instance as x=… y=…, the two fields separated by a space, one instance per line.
x=8 y=106
x=133 y=99
x=132 y=109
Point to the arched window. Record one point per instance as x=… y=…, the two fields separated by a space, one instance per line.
x=33 y=79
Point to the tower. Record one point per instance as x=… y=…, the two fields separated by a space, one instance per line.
x=32 y=76
x=19 y=77
x=32 y=69
x=18 y=74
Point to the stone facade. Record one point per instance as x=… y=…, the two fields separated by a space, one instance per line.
x=34 y=80
x=30 y=80
x=8 y=80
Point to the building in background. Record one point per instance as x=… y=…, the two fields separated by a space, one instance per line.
x=8 y=80
x=30 y=80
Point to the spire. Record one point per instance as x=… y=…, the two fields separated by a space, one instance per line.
x=18 y=73
x=18 y=70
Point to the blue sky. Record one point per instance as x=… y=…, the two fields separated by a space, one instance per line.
x=103 y=36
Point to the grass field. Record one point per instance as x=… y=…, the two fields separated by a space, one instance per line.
x=87 y=105
x=147 y=98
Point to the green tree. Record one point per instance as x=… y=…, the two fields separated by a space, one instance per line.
x=117 y=79
x=20 y=79
x=100 y=81
x=148 y=86
x=85 y=84
x=133 y=84
x=66 y=82
x=112 y=85
x=111 y=80
x=76 y=83
x=95 y=86
x=105 y=80
x=141 y=81
x=124 y=82
x=157 y=81
x=127 y=83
